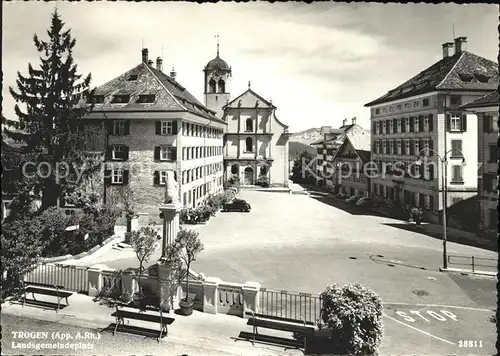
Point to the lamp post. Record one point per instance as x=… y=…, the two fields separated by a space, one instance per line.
x=444 y=180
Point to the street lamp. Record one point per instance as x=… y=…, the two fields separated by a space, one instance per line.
x=444 y=181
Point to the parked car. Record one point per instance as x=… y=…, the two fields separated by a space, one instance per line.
x=237 y=205
x=342 y=196
x=352 y=200
x=365 y=201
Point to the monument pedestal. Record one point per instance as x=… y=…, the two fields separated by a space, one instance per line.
x=170 y=216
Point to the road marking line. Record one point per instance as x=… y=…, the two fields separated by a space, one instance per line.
x=439 y=306
x=414 y=328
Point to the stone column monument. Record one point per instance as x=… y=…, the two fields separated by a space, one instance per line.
x=170 y=291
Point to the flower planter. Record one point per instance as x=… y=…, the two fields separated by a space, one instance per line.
x=186 y=306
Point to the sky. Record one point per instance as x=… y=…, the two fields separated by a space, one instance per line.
x=318 y=63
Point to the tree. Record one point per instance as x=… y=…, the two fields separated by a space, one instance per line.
x=48 y=125
x=354 y=315
x=143 y=242
x=299 y=171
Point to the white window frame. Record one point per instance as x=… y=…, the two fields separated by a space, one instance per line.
x=416 y=148
x=162 y=175
x=377 y=124
x=426 y=123
x=117 y=176
x=383 y=127
x=398 y=125
x=391 y=127
x=453 y=178
x=391 y=147
x=407 y=124
x=166 y=128
x=416 y=125
x=119 y=128
x=117 y=148
x=426 y=147
x=455 y=123
x=399 y=147
x=407 y=147
x=164 y=153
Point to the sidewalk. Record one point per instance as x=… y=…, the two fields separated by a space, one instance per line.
x=199 y=331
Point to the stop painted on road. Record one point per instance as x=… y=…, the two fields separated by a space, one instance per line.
x=428 y=316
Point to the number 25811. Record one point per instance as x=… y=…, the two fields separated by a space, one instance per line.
x=470 y=343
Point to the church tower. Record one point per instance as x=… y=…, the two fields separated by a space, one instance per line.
x=217 y=78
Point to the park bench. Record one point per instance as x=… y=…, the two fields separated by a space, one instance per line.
x=46 y=289
x=137 y=314
x=281 y=324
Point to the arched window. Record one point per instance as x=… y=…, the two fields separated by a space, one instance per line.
x=249 y=125
x=248 y=144
x=211 y=86
x=222 y=86
x=235 y=169
x=263 y=170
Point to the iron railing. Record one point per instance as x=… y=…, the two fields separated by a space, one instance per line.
x=291 y=305
x=473 y=262
x=72 y=278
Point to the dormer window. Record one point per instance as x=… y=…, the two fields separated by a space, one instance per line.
x=466 y=77
x=132 y=77
x=146 y=99
x=96 y=99
x=121 y=99
x=482 y=78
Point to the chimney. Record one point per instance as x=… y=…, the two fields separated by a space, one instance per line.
x=447 y=49
x=159 y=64
x=150 y=62
x=173 y=74
x=344 y=122
x=460 y=45
x=354 y=120
x=145 y=55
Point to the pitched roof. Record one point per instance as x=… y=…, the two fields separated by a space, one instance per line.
x=462 y=71
x=491 y=99
x=143 y=79
x=250 y=91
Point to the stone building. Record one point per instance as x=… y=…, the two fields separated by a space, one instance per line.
x=423 y=118
x=255 y=141
x=486 y=109
x=151 y=124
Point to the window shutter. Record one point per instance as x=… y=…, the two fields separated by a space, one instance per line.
x=420 y=145
x=487 y=121
x=174 y=127
x=175 y=176
x=173 y=154
x=412 y=124
x=107 y=176
x=157 y=152
x=431 y=123
x=374 y=128
x=431 y=152
x=463 y=122
x=412 y=146
x=403 y=124
x=156 y=178
x=395 y=125
x=448 y=122
x=420 y=123
x=403 y=148
x=431 y=172
x=109 y=127
x=158 y=127
x=127 y=127
x=125 y=177
x=387 y=126
x=109 y=153
x=125 y=153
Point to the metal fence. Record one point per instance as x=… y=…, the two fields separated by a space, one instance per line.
x=484 y=264
x=290 y=305
x=72 y=278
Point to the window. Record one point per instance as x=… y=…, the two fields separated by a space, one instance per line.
x=211 y=86
x=391 y=127
x=493 y=219
x=431 y=202
x=399 y=107
x=399 y=148
x=384 y=147
x=425 y=102
x=165 y=153
x=488 y=182
x=416 y=149
x=383 y=127
x=146 y=99
x=249 y=125
x=407 y=147
x=163 y=177
x=457 y=174
x=455 y=100
x=391 y=147
x=398 y=125
x=97 y=99
x=120 y=99
x=377 y=111
x=222 y=86
x=456 y=148
x=376 y=127
x=391 y=108
x=407 y=124
x=490 y=123
x=119 y=152
x=416 y=124
x=407 y=105
x=455 y=123
x=132 y=77
x=493 y=154
x=248 y=145
x=416 y=104
x=166 y=128
x=119 y=128
x=426 y=147
x=117 y=177
x=426 y=123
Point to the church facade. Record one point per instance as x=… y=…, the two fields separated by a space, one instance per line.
x=255 y=141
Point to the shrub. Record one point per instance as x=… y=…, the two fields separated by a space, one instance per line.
x=54 y=225
x=99 y=222
x=262 y=181
x=354 y=314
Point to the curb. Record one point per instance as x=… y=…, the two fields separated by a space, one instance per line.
x=83 y=254
x=468 y=272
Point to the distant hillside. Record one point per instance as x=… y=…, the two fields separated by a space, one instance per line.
x=306 y=136
x=295 y=148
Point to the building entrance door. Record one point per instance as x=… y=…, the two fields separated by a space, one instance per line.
x=248 y=177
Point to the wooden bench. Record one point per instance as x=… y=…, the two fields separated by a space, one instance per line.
x=164 y=321
x=281 y=324
x=46 y=289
